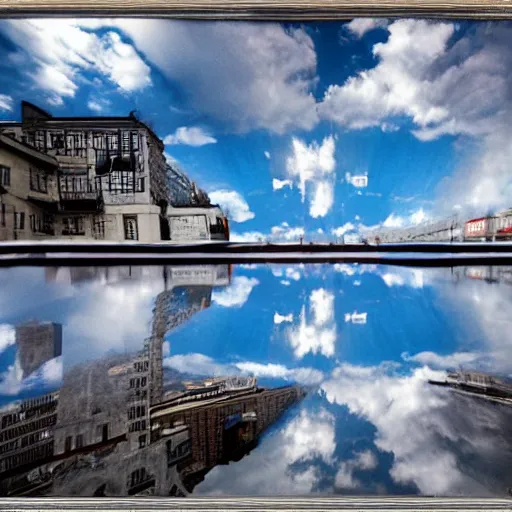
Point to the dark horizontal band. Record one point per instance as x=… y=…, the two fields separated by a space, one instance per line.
x=261 y=9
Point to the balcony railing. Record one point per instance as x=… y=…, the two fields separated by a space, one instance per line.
x=79 y=193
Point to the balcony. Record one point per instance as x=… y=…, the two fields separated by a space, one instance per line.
x=80 y=194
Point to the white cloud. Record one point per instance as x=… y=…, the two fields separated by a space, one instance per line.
x=201 y=365
x=389 y=127
x=49 y=375
x=285 y=232
x=237 y=293
x=306 y=438
x=360 y=26
x=318 y=336
x=450 y=361
x=313 y=167
x=235 y=205
x=285 y=282
x=393 y=279
x=267 y=155
x=305 y=376
x=6 y=102
x=279 y=319
x=341 y=230
x=248 y=236
x=414 y=219
x=412 y=277
x=197 y=364
x=60 y=50
x=98 y=104
x=250 y=75
x=190 y=136
x=429 y=433
x=279 y=184
x=363 y=461
x=7 y=336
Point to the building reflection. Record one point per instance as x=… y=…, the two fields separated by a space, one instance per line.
x=111 y=430
x=490 y=274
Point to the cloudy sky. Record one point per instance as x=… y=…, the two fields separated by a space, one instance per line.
x=323 y=128
x=365 y=338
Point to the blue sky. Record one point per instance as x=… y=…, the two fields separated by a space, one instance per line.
x=367 y=338
x=422 y=108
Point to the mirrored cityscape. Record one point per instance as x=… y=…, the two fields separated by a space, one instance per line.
x=230 y=380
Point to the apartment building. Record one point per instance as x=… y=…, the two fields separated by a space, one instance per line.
x=103 y=178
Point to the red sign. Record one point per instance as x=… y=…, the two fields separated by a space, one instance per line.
x=476 y=228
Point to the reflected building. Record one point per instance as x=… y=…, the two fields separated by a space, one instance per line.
x=479 y=385
x=37 y=343
x=110 y=430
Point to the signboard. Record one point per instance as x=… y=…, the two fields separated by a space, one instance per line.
x=231 y=421
x=188 y=228
x=476 y=228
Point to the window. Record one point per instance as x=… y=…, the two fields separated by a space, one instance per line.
x=38 y=181
x=3 y=214
x=79 y=441
x=99 y=229
x=19 y=220
x=5 y=176
x=130 y=228
x=68 y=443
x=142 y=441
x=57 y=141
x=73 y=226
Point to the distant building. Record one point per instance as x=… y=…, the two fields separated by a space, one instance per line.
x=37 y=343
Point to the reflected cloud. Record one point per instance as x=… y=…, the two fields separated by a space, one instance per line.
x=237 y=294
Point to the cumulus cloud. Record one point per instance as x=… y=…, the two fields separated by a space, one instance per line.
x=308 y=437
x=445 y=86
x=98 y=104
x=286 y=232
x=250 y=75
x=319 y=335
x=363 y=461
x=48 y=375
x=235 y=205
x=360 y=26
x=341 y=230
x=313 y=167
x=235 y=295
x=450 y=361
x=267 y=155
x=190 y=136
x=415 y=218
x=279 y=319
x=279 y=184
x=7 y=336
x=6 y=102
x=61 y=50
x=429 y=432
x=205 y=366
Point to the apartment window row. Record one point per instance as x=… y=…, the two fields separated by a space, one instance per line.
x=42 y=224
x=79 y=442
x=137 y=426
x=139 y=382
x=137 y=411
x=9 y=447
x=141 y=366
x=5 y=176
x=138 y=477
x=33 y=426
x=138 y=395
x=125 y=140
x=20 y=459
x=73 y=226
x=27 y=412
x=38 y=181
x=35 y=438
x=182 y=450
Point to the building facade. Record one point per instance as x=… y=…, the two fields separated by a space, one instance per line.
x=102 y=178
x=37 y=343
